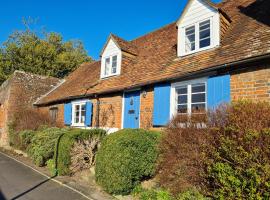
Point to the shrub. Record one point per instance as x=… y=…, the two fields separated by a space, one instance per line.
x=180 y=161
x=25 y=138
x=228 y=159
x=51 y=167
x=43 y=143
x=191 y=194
x=126 y=158
x=237 y=157
x=27 y=119
x=151 y=194
x=76 y=150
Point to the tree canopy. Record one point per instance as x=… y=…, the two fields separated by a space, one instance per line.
x=40 y=53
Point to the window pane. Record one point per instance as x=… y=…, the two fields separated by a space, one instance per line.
x=107 y=66
x=182 y=109
x=182 y=99
x=205 y=34
x=114 y=64
x=205 y=38
x=205 y=25
x=196 y=98
x=198 y=88
x=190 y=39
x=182 y=90
x=83 y=113
x=198 y=108
x=205 y=43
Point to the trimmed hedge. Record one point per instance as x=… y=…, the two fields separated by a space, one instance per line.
x=126 y=158
x=65 y=143
x=42 y=145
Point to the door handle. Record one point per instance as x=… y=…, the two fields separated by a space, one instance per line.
x=136 y=118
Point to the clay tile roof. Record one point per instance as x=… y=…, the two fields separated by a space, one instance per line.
x=33 y=86
x=248 y=36
x=125 y=45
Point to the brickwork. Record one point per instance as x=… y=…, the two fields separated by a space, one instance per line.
x=251 y=85
x=3 y=124
x=146 y=110
x=110 y=111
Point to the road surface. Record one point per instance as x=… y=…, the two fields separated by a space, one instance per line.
x=20 y=182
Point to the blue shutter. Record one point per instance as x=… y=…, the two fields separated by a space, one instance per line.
x=218 y=91
x=67 y=113
x=88 y=120
x=161 y=113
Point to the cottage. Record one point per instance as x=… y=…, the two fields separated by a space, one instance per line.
x=18 y=93
x=214 y=53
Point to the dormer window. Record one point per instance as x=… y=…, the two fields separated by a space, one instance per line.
x=198 y=28
x=111 y=60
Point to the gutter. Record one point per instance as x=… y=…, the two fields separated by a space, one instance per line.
x=172 y=78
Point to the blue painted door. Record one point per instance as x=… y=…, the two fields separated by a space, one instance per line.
x=132 y=109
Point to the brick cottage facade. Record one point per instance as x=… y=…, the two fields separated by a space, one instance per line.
x=18 y=94
x=215 y=53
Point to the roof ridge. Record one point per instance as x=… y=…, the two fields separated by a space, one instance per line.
x=153 y=31
x=33 y=74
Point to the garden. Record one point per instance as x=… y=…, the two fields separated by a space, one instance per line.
x=223 y=154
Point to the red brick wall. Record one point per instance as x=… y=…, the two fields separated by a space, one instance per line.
x=110 y=111
x=3 y=124
x=251 y=84
x=146 y=110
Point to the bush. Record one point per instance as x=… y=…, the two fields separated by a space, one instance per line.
x=228 y=159
x=191 y=194
x=180 y=161
x=27 y=119
x=237 y=157
x=151 y=194
x=51 y=167
x=43 y=143
x=126 y=158
x=76 y=150
x=25 y=138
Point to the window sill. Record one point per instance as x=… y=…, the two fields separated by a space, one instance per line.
x=109 y=76
x=78 y=125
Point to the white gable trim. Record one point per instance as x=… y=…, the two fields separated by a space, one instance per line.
x=204 y=2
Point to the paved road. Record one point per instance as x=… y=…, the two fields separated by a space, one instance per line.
x=20 y=182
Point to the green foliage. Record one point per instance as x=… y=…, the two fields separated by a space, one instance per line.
x=42 y=145
x=151 y=194
x=237 y=157
x=65 y=143
x=161 y=194
x=25 y=138
x=191 y=194
x=40 y=53
x=126 y=158
x=51 y=167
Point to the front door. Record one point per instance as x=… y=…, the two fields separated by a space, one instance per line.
x=132 y=109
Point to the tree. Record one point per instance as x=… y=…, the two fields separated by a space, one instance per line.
x=40 y=53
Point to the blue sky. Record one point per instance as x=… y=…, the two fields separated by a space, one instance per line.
x=91 y=21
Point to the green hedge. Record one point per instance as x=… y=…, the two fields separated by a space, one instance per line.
x=25 y=138
x=126 y=158
x=42 y=145
x=65 y=143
